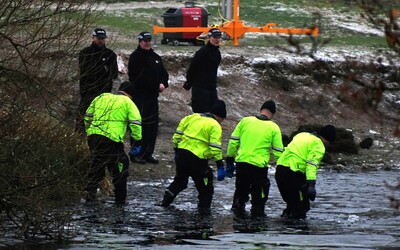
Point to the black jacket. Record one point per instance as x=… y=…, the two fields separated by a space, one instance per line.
x=98 y=67
x=146 y=71
x=203 y=69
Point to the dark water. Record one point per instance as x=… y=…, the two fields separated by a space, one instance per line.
x=351 y=212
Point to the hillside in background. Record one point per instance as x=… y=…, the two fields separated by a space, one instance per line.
x=305 y=89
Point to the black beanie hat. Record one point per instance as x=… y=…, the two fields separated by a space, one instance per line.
x=219 y=109
x=270 y=105
x=328 y=133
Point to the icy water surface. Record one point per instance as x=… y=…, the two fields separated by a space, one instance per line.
x=351 y=212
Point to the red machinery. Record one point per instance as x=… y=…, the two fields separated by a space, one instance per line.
x=188 y=16
x=236 y=28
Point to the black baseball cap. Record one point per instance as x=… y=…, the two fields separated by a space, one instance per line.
x=145 y=35
x=214 y=32
x=99 y=33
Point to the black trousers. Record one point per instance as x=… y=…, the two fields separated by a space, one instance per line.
x=148 y=108
x=291 y=185
x=84 y=104
x=189 y=165
x=252 y=180
x=203 y=99
x=107 y=153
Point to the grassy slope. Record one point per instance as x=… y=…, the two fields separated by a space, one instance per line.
x=285 y=13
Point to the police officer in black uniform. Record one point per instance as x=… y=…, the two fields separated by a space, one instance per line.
x=201 y=76
x=98 y=67
x=148 y=79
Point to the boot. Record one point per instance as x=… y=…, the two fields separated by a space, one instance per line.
x=285 y=213
x=204 y=210
x=257 y=211
x=238 y=208
x=91 y=197
x=168 y=198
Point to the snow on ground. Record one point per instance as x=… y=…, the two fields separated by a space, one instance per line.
x=139 y=5
x=256 y=55
x=331 y=18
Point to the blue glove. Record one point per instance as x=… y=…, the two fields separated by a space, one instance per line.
x=230 y=169
x=135 y=150
x=220 y=173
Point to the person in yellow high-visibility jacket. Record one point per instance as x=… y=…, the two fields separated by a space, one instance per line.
x=106 y=122
x=250 y=145
x=296 y=171
x=196 y=140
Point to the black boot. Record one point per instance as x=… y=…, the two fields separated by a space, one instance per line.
x=257 y=211
x=90 y=198
x=238 y=208
x=204 y=210
x=168 y=198
x=285 y=213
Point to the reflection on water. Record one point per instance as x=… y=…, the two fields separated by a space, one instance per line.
x=348 y=208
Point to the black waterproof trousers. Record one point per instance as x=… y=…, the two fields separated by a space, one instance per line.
x=148 y=108
x=189 y=165
x=252 y=180
x=203 y=99
x=291 y=186
x=107 y=153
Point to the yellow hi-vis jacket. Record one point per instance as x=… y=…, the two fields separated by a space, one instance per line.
x=200 y=134
x=110 y=114
x=253 y=139
x=304 y=153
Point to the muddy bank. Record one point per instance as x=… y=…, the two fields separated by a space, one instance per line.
x=306 y=92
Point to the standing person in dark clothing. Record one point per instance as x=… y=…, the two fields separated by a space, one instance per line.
x=197 y=139
x=98 y=67
x=148 y=79
x=296 y=171
x=201 y=76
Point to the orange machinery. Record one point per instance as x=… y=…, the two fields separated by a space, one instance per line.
x=236 y=28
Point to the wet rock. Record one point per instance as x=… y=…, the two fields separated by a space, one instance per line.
x=366 y=143
x=344 y=141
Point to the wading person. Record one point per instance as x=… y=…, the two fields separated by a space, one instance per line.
x=196 y=140
x=250 y=144
x=97 y=68
x=296 y=171
x=201 y=76
x=148 y=79
x=106 y=120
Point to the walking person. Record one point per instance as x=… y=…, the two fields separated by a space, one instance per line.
x=201 y=75
x=148 y=79
x=106 y=120
x=196 y=140
x=296 y=171
x=250 y=145
x=97 y=68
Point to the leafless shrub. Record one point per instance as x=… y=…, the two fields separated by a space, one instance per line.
x=42 y=161
x=357 y=90
x=362 y=85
